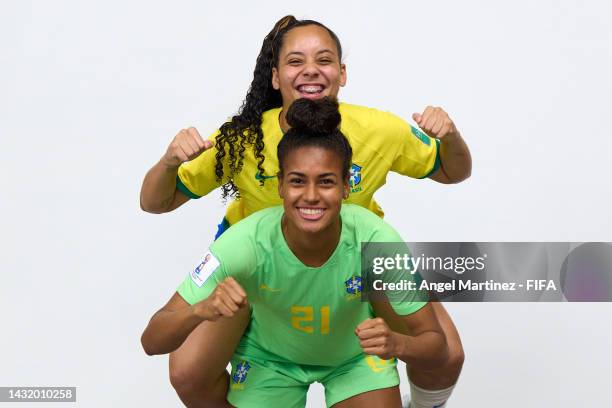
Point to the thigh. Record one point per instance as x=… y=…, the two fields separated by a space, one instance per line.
x=366 y=381
x=448 y=374
x=386 y=397
x=208 y=349
x=452 y=335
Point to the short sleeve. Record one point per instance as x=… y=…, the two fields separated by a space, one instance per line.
x=417 y=155
x=203 y=279
x=232 y=255
x=403 y=295
x=196 y=178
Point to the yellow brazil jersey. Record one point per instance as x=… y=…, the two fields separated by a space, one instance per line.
x=381 y=142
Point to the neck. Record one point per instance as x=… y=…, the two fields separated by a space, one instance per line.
x=282 y=120
x=312 y=249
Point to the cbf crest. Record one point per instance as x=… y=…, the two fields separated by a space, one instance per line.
x=240 y=375
x=355 y=178
x=353 y=287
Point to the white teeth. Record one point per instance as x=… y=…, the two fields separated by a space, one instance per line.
x=311 y=88
x=311 y=211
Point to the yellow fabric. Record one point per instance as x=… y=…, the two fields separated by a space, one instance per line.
x=381 y=142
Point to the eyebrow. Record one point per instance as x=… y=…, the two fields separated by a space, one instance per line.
x=297 y=173
x=302 y=54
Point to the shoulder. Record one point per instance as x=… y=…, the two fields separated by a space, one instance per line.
x=270 y=117
x=356 y=214
x=363 y=116
x=238 y=248
x=259 y=223
x=365 y=226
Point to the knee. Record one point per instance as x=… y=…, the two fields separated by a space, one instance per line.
x=189 y=380
x=442 y=377
x=456 y=357
x=195 y=389
x=184 y=380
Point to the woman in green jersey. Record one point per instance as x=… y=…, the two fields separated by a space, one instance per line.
x=297 y=270
x=297 y=59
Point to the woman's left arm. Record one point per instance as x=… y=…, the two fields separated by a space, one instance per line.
x=417 y=339
x=455 y=158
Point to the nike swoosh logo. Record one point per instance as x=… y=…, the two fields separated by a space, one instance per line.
x=263 y=286
x=258 y=176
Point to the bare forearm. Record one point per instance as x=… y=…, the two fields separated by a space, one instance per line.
x=426 y=351
x=456 y=163
x=158 y=188
x=455 y=158
x=167 y=330
x=158 y=193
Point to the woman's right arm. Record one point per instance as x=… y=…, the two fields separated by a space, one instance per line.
x=170 y=326
x=158 y=193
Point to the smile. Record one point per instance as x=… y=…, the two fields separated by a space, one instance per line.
x=310 y=90
x=311 y=214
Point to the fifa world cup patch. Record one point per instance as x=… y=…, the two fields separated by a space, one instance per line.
x=204 y=269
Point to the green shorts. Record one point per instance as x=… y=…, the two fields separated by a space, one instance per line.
x=255 y=381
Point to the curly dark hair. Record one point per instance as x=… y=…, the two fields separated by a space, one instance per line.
x=244 y=129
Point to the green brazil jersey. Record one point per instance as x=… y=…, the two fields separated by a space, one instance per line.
x=299 y=314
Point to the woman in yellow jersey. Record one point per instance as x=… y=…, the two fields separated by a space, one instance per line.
x=298 y=59
x=301 y=333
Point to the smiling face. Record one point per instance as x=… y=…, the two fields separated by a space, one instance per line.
x=312 y=189
x=308 y=65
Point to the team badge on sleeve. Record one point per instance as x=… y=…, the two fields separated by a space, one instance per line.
x=205 y=268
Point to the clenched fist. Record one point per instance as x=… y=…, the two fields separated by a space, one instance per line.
x=376 y=338
x=227 y=298
x=436 y=123
x=186 y=145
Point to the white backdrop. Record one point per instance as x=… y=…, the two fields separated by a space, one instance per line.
x=91 y=93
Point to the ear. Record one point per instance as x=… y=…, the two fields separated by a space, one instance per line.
x=280 y=186
x=342 y=74
x=346 y=189
x=275 y=81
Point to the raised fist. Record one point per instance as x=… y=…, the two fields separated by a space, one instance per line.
x=186 y=145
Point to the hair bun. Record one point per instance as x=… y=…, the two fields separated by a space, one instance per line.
x=318 y=117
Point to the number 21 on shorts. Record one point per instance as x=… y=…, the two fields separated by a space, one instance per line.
x=302 y=319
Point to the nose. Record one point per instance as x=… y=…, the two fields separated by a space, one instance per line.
x=311 y=193
x=310 y=70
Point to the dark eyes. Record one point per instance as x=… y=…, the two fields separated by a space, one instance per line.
x=325 y=182
x=323 y=61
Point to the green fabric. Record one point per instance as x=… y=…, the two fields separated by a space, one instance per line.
x=300 y=314
x=437 y=162
x=254 y=380
x=183 y=189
